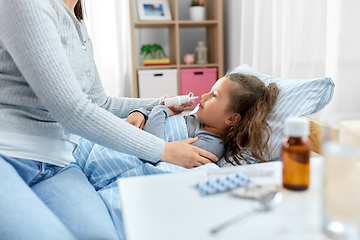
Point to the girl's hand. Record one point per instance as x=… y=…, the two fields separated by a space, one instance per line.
x=171 y=112
x=137 y=119
x=179 y=109
x=185 y=155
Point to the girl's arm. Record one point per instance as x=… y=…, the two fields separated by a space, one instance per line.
x=156 y=121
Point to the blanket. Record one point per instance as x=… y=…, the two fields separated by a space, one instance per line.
x=104 y=166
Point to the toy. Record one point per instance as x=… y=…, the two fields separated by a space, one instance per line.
x=189 y=59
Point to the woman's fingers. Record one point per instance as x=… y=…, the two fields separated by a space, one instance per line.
x=202 y=161
x=191 y=140
x=208 y=156
x=204 y=156
x=198 y=164
x=183 y=154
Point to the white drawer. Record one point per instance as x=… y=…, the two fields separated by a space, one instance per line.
x=157 y=82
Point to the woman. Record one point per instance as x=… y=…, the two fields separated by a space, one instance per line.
x=50 y=93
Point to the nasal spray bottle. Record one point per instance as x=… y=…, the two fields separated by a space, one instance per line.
x=178 y=100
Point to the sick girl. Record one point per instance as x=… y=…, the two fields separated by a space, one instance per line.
x=231 y=118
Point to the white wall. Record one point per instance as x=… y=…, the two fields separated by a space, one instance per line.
x=232 y=24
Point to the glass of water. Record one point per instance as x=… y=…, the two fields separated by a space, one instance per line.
x=341 y=195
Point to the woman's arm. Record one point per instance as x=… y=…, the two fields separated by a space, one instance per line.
x=119 y=106
x=30 y=34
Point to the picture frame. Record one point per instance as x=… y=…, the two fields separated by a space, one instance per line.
x=154 y=10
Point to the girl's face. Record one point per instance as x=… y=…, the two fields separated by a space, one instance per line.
x=213 y=106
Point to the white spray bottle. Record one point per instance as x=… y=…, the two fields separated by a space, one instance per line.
x=178 y=100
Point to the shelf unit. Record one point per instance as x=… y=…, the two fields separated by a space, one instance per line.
x=214 y=38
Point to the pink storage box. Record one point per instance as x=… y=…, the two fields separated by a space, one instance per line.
x=197 y=80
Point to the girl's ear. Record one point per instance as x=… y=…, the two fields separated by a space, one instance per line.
x=233 y=119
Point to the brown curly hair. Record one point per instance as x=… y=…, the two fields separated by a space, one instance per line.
x=253 y=101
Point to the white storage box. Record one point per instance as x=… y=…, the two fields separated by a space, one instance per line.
x=157 y=82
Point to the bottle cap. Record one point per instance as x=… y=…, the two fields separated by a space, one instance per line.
x=296 y=127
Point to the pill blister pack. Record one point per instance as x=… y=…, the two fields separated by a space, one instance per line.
x=222 y=183
x=255 y=191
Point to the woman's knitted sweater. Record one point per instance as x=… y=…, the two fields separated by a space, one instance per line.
x=49 y=84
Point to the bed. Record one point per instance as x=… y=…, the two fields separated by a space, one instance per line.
x=297 y=97
x=315 y=136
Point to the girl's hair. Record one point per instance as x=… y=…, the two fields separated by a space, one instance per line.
x=253 y=101
x=79 y=11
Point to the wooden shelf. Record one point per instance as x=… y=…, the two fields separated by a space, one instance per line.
x=214 y=38
x=178 y=66
x=156 y=67
x=154 y=24
x=199 y=65
x=181 y=23
x=188 y=23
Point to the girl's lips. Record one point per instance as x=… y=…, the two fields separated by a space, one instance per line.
x=201 y=105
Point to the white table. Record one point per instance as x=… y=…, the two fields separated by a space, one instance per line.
x=169 y=207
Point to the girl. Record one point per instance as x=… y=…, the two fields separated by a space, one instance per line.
x=50 y=92
x=231 y=118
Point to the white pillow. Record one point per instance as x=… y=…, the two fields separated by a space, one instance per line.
x=297 y=97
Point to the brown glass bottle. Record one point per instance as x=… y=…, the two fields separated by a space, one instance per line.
x=295 y=154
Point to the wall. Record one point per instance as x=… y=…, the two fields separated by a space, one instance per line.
x=232 y=24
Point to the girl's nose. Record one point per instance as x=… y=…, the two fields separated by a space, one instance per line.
x=204 y=96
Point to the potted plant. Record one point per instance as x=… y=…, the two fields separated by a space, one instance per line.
x=152 y=51
x=197 y=10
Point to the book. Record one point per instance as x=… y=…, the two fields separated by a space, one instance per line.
x=152 y=62
x=157 y=64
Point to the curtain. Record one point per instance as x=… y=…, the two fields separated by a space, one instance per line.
x=108 y=23
x=306 y=39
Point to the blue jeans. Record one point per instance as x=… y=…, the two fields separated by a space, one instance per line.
x=43 y=201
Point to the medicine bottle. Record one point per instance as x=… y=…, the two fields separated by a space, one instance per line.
x=295 y=154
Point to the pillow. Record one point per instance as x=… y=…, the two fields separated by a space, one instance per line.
x=297 y=97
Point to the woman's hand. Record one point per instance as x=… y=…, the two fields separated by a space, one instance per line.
x=179 y=109
x=185 y=155
x=137 y=119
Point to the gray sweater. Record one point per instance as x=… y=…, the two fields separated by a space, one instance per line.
x=49 y=84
